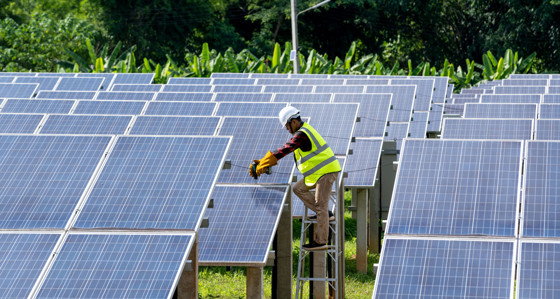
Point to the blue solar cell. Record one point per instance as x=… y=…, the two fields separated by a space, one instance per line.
x=483 y=128
x=185 y=96
x=553 y=90
x=107 y=76
x=249 y=143
x=373 y=112
x=125 y=96
x=242 y=224
x=154 y=183
x=362 y=165
x=339 y=89
x=175 y=125
x=18 y=90
x=19 y=123
x=138 y=87
x=436 y=117
x=303 y=97
x=507 y=110
x=233 y=81
x=22 y=258
x=335 y=122
x=243 y=97
x=42 y=178
x=45 y=83
x=180 y=108
x=525 y=82
x=189 y=81
x=117 y=266
x=402 y=100
x=37 y=106
x=110 y=107
x=187 y=88
x=547 y=129
x=549 y=111
x=456 y=187
x=542 y=196
x=419 y=124
x=70 y=95
x=237 y=88
x=510 y=98
x=249 y=109
x=424 y=91
x=79 y=84
x=123 y=78
x=428 y=268
x=538 y=270
x=289 y=88
x=554 y=82
x=85 y=124
x=519 y=90
x=278 y=81
x=551 y=98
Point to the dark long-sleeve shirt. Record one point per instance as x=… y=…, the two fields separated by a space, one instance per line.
x=299 y=140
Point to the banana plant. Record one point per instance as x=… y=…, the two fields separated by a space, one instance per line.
x=496 y=69
x=100 y=62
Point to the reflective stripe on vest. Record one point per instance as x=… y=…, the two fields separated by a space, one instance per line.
x=318 y=161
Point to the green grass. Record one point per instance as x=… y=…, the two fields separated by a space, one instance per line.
x=222 y=282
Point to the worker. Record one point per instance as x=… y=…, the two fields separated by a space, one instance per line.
x=316 y=161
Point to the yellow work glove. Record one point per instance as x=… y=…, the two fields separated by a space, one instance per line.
x=255 y=176
x=268 y=161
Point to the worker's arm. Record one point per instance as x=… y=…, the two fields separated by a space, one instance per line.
x=299 y=140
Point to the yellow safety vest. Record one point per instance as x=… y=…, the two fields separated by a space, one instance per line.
x=318 y=161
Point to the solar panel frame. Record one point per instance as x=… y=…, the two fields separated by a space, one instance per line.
x=488 y=128
x=451 y=188
x=175 y=125
x=125 y=96
x=242 y=225
x=184 y=96
x=498 y=110
x=180 y=108
x=66 y=95
x=18 y=90
x=70 y=124
x=109 y=107
x=37 y=106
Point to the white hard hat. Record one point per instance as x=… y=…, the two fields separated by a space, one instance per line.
x=287 y=113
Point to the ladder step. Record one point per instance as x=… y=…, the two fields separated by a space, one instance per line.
x=317 y=279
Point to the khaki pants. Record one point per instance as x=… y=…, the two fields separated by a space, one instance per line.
x=318 y=203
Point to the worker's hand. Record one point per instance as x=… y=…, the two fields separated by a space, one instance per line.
x=267 y=161
x=251 y=173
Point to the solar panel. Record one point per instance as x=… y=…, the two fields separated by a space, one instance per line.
x=525 y=82
x=175 y=125
x=339 y=89
x=233 y=81
x=187 y=88
x=249 y=109
x=450 y=90
x=70 y=95
x=243 y=97
x=189 y=81
x=440 y=89
x=507 y=110
x=554 y=82
x=321 y=81
x=85 y=124
x=396 y=132
x=123 y=78
x=19 y=74
x=110 y=107
x=456 y=187
x=549 y=111
x=309 y=76
x=237 y=88
x=440 y=268
x=373 y=112
x=79 y=84
x=362 y=165
x=466 y=100
x=289 y=88
x=424 y=91
x=553 y=90
x=519 y=90
x=105 y=265
x=230 y=75
x=242 y=225
x=19 y=123
x=185 y=96
x=4 y=79
x=547 y=129
x=484 y=128
x=367 y=81
x=301 y=97
x=435 y=118
x=267 y=75
x=529 y=76
x=42 y=177
x=180 y=108
x=278 y=81
x=125 y=96
x=249 y=144
x=538 y=269
x=402 y=100
x=37 y=106
x=454 y=109
x=342 y=76
x=335 y=122
x=138 y=87
x=419 y=124
x=23 y=257
x=57 y=74
x=154 y=183
x=107 y=76
x=45 y=83
x=472 y=91
x=551 y=98
x=511 y=98
x=17 y=90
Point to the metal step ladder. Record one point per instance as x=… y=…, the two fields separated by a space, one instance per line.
x=334 y=254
